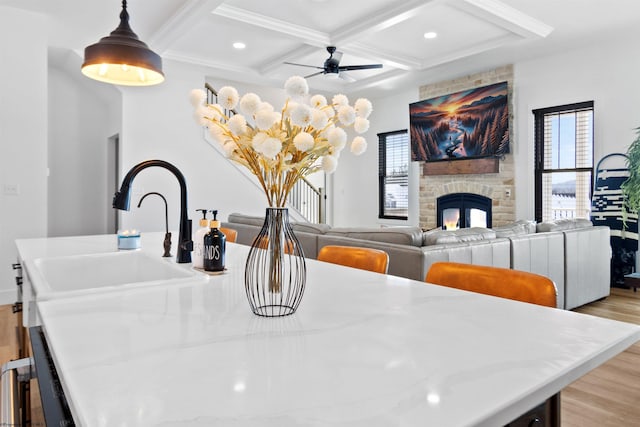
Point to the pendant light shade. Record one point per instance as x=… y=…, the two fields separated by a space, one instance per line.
x=123 y=59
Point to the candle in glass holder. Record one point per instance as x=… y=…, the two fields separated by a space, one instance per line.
x=129 y=239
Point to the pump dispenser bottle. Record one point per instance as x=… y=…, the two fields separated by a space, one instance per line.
x=214 y=246
x=198 y=240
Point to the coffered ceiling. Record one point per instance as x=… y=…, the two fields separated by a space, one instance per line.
x=470 y=34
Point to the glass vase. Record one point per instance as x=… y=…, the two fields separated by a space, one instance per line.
x=276 y=273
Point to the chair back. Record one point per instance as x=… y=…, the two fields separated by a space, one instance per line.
x=499 y=282
x=262 y=242
x=229 y=233
x=352 y=256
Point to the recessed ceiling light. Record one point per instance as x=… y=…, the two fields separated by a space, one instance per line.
x=430 y=35
x=239 y=45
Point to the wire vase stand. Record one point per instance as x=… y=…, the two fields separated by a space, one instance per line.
x=275 y=274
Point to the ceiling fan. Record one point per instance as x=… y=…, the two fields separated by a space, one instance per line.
x=332 y=65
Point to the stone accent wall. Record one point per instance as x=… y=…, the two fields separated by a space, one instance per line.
x=497 y=186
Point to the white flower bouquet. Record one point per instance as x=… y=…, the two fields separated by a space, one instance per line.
x=280 y=147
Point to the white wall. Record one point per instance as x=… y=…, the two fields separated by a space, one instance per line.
x=355 y=182
x=606 y=73
x=157 y=123
x=23 y=135
x=82 y=117
x=276 y=96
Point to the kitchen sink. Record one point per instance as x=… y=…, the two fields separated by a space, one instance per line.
x=84 y=273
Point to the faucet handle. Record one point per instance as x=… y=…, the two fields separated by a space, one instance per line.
x=187 y=245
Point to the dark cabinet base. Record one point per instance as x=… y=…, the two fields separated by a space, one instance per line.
x=54 y=405
x=547 y=414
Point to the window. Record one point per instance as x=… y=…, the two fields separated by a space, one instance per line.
x=393 y=175
x=563 y=161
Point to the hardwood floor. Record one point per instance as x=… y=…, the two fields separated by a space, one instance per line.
x=607 y=396
x=610 y=394
x=9 y=350
x=8 y=337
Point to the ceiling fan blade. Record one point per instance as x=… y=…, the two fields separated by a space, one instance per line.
x=303 y=65
x=359 y=67
x=346 y=77
x=337 y=56
x=314 y=74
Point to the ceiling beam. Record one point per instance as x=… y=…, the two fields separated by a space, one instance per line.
x=180 y=22
x=470 y=51
x=506 y=17
x=291 y=56
x=376 y=80
x=198 y=60
x=309 y=36
x=393 y=60
x=378 y=21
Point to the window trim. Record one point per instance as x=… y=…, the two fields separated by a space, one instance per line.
x=382 y=167
x=538 y=137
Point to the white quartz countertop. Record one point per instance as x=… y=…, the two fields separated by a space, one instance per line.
x=30 y=249
x=363 y=349
x=70 y=266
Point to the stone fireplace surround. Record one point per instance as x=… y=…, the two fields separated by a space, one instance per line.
x=499 y=187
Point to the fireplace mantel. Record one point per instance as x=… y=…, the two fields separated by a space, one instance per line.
x=498 y=185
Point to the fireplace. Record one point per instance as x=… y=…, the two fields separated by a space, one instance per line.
x=462 y=210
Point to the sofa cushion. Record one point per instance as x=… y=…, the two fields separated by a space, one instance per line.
x=411 y=236
x=438 y=236
x=442 y=237
x=245 y=219
x=258 y=221
x=563 y=224
x=519 y=228
x=309 y=227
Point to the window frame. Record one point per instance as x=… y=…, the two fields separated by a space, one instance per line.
x=539 y=169
x=382 y=168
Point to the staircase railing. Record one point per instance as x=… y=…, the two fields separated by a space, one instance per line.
x=305 y=198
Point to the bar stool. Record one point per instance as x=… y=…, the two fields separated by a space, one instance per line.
x=499 y=282
x=352 y=256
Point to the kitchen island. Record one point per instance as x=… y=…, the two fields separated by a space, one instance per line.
x=362 y=349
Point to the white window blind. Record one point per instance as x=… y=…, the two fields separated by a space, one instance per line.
x=393 y=174
x=564 y=161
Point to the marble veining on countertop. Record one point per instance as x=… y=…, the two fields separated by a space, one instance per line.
x=362 y=349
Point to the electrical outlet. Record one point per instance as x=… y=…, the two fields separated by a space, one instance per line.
x=10 y=189
x=507 y=192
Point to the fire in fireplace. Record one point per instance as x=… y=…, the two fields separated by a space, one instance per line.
x=462 y=210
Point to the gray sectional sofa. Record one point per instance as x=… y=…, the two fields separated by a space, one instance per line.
x=573 y=253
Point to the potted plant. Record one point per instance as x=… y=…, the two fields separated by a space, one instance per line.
x=631 y=187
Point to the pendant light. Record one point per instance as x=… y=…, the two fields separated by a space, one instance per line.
x=123 y=59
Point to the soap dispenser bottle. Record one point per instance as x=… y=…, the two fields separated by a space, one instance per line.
x=198 y=240
x=214 y=246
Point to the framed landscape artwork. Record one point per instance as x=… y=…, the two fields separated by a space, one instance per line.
x=469 y=124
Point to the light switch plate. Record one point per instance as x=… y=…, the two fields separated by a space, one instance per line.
x=10 y=189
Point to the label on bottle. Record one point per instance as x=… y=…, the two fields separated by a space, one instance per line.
x=197 y=254
x=198 y=246
x=213 y=252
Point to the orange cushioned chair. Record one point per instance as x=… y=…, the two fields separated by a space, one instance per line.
x=499 y=282
x=352 y=256
x=264 y=244
x=230 y=234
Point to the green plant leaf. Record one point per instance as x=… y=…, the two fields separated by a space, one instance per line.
x=631 y=187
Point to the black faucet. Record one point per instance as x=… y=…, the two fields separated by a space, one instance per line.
x=167 y=235
x=121 y=201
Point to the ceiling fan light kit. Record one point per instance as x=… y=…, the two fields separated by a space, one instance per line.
x=121 y=58
x=332 y=67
